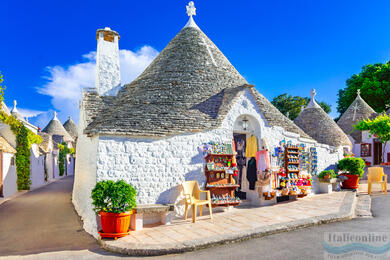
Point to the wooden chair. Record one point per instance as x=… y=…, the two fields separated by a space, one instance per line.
x=192 y=198
x=376 y=175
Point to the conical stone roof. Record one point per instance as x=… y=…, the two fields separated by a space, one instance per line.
x=189 y=87
x=71 y=127
x=320 y=126
x=356 y=112
x=54 y=127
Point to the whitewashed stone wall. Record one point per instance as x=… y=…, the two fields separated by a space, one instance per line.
x=85 y=177
x=70 y=161
x=157 y=167
x=9 y=176
x=37 y=173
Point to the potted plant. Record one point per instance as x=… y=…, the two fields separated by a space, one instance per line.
x=325 y=180
x=114 y=202
x=353 y=169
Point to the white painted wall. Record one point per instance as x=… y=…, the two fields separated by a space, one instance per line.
x=157 y=167
x=85 y=176
x=9 y=176
x=37 y=173
x=70 y=164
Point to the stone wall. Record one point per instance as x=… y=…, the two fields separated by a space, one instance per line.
x=85 y=177
x=37 y=173
x=9 y=176
x=157 y=167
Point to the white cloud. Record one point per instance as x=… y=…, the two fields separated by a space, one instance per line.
x=64 y=84
x=25 y=112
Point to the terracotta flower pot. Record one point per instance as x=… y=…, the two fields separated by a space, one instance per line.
x=352 y=182
x=115 y=222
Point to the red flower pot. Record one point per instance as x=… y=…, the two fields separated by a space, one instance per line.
x=352 y=182
x=115 y=222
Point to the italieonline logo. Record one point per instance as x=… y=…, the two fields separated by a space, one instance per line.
x=357 y=245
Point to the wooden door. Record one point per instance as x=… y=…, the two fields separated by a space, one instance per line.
x=1 y=174
x=377 y=152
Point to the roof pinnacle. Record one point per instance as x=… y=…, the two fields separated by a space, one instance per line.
x=313 y=103
x=191 y=11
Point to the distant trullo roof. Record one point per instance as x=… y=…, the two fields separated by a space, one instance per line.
x=320 y=126
x=54 y=127
x=356 y=112
x=189 y=87
x=71 y=127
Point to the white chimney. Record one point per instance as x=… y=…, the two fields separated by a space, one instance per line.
x=107 y=79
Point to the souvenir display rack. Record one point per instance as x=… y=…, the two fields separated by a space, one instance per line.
x=292 y=161
x=220 y=181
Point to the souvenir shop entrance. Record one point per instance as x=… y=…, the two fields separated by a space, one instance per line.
x=240 y=145
x=246 y=145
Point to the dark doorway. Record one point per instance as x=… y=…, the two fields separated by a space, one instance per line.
x=377 y=152
x=240 y=141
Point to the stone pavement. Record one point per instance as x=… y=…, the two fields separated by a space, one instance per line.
x=238 y=224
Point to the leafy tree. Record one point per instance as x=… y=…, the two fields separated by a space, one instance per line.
x=374 y=84
x=379 y=127
x=292 y=104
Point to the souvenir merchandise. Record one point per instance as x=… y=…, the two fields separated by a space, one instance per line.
x=216 y=148
x=313 y=161
x=263 y=160
x=251 y=174
x=251 y=147
x=219 y=171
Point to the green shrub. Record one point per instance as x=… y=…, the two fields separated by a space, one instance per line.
x=324 y=173
x=354 y=166
x=114 y=197
x=24 y=139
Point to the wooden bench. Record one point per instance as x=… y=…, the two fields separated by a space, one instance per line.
x=150 y=214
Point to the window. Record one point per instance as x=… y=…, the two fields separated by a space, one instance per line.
x=365 y=150
x=12 y=161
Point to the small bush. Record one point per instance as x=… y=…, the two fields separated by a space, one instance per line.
x=354 y=166
x=113 y=197
x=330 y=172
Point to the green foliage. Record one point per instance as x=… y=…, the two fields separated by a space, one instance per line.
x=114 y=197
x=64 y=150
x=352 y=165
x=378 y=127
x=24 y=139
x=374 y=84
x=331 y=173
x=2 y=88
x=292 y=104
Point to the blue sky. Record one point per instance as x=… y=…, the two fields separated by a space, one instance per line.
x=279 y=46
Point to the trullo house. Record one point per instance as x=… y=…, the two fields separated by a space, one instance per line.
x=149 y=132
